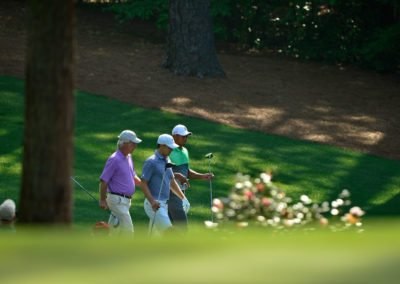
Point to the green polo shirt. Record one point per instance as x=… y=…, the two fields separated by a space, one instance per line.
x=180 y=157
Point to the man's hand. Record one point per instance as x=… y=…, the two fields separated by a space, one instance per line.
x=103 y=204
x=185 y=205
x=208 y=176
x=181 y=178
x=155 y=205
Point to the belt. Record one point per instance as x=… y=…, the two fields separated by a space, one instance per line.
x=120 y=194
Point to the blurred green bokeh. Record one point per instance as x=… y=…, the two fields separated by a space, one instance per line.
x=201 y=256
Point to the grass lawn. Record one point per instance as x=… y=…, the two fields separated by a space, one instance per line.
x=300 y=167
x=249 y=256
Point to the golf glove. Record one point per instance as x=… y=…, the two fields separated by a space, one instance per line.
x=186 y=205
x=114 y=221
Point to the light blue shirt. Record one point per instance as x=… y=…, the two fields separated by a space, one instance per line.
x=153 y=172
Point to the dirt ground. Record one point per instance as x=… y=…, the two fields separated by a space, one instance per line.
x=341 y=106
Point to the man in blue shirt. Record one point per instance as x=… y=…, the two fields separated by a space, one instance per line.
x=157 y=182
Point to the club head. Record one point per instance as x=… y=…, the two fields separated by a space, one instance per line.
x=209 y=156
x=169 y=165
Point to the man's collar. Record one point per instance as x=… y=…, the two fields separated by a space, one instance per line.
x=158 y=155
x=119 y=152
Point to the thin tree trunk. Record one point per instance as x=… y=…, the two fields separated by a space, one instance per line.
x=190 y=44
x=46 y=195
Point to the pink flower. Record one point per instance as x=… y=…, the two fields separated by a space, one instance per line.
x=218 y=203
x=260 y=187
x=266 y=201
x=249 y=194
x=351 y=218
x=356 y=211
x=323 y=221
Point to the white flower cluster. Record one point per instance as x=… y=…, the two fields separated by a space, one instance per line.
x=264 y=204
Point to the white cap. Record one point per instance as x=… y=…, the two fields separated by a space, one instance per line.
x=7 y=210
x=166 y=139
x=129 y=136
x=181 y=130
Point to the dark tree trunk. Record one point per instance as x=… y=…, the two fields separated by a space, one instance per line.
x=46 y=195
x=190 y=43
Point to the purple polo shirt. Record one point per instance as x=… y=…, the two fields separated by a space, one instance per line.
x=119 y=174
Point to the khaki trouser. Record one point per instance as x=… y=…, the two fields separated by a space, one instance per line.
x=120 y=218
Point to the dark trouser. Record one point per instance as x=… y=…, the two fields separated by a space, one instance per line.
x=175 y=212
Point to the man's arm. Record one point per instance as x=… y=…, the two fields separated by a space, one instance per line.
x=176 y=189
x=103 y=195
x=178 y=192
x=181 y=178
x=146 y=191
x=137 y=180
x=195 y=175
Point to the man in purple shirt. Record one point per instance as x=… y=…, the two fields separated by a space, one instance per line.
x=118 y=180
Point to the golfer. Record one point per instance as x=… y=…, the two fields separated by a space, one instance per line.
x=118 y=180
x=157 y=182
x=182 y=173
x=7 y=216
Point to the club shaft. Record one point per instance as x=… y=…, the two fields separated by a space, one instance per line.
x=159 y=195
x=211 y=195
x=84 y=189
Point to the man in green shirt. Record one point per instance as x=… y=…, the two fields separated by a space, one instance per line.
x=182 y=173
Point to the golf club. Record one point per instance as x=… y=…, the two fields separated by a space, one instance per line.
x=85 y=190
x=167 y=166
x=209 y=156
x=115 y=220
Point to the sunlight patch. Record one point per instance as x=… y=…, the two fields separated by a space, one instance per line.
x=104 y=136
x=369 y=137
x=181 y=101
x=384 y=196
x=256 y=112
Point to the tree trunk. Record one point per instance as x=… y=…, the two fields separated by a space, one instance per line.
x=46 y=194
x=190 y=43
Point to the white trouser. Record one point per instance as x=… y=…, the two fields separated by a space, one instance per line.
x=119 y=207
x=160 y=217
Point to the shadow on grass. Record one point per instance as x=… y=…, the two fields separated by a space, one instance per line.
x=300 y=167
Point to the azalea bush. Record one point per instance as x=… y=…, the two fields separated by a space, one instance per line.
x=261 y=203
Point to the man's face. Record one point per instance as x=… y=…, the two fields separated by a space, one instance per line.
x=131 y=146
x=180 y=140
x=165 y=150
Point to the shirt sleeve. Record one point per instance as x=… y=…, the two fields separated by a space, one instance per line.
x=170 y=173
x=108 y=170
x=174 y=156
x=132 y=165
x=147 y=170
x=187 y=155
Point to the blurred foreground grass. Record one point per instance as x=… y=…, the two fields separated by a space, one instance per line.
x=203 y=256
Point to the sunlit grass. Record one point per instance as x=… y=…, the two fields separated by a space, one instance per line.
x=299 y=167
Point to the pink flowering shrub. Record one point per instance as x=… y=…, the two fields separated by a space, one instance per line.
x=261 y=203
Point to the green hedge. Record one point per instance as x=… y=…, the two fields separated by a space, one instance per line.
x=359 y=32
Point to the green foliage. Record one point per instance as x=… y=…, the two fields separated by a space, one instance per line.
x=154 y=10
x=334 y=31
x=382 y=51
